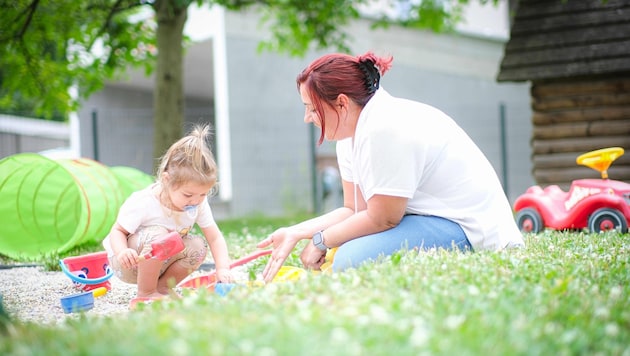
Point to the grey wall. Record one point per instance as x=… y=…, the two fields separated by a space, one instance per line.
x=123 y=129
x=270 y=145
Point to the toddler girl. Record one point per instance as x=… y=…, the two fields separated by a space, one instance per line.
x=175 y=202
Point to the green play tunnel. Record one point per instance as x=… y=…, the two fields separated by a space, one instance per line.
x=53 y=205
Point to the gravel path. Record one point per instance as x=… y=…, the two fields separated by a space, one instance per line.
x=33 y=294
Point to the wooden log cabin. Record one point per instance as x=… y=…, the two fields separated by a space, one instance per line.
x=576 y=55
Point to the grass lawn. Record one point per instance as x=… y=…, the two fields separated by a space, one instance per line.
x=564 y=294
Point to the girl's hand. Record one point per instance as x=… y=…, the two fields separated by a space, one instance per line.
x=224 y=275
x=127 y=258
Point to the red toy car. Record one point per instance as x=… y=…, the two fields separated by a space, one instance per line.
x=596 y=204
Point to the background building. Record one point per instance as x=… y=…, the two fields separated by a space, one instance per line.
x=266 y=154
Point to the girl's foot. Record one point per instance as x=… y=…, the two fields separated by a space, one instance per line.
x=144 y=300
x=153 y=295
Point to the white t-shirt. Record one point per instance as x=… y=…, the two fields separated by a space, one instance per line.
x=143 y=208
x=408 y=149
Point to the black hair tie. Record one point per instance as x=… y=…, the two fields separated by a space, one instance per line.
x=372 y=76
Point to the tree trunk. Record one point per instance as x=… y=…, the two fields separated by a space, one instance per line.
x=168 y=95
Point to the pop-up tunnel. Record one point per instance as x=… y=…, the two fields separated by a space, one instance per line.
x=53 y=205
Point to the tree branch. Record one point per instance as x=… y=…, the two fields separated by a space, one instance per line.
x=31 y=67
x=29 y=12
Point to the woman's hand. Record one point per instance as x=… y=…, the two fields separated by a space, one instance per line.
x=224 y=275
x=128 y=258
x=283 y=241
x=312 y=257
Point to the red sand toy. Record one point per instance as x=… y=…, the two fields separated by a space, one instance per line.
x=209 y=280
x=166 y=247
x=597 y=204
x=89 y=271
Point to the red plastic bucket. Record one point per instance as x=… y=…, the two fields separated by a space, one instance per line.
x=89 y=271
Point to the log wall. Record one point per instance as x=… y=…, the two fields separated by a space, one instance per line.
x=574 y=116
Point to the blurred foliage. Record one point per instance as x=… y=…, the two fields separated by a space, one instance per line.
x=47 y=47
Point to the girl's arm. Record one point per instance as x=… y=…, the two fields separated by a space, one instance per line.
x=127 y=257
x=219 y=250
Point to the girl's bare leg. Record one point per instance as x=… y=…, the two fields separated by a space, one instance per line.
x=183 y=264
x=148 y=272
x=174 y=274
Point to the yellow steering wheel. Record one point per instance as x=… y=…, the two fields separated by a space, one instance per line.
x=600 y=160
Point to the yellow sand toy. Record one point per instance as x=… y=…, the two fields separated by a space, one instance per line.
x=285 y=274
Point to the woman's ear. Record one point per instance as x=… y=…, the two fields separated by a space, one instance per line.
x=343 y=100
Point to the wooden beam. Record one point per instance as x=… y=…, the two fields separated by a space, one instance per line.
x=580 y=86
x=568 y=160
x=568 y=20
x=581 y=114
x=583 y=101
x=536 y=9
x=566 y=70
x=579 y=53
x=567 y=38
x=579 y=144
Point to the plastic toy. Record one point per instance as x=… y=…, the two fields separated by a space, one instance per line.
x=209 y=280
x=88 y=272
x=286 y=273
x=51 y=206
x=77 y=302
x=165 y=247
x=596 y=204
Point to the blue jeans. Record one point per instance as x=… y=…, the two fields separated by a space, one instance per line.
x=413 y=231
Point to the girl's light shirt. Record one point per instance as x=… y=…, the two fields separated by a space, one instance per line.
x=408 y=149
x=143 y=208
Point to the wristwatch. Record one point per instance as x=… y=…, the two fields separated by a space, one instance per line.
x=318 y=241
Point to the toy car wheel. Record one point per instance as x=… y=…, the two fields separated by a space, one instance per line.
x=529 y=220
x=606 y=219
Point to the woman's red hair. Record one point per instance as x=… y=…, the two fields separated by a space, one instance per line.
x=333 y=74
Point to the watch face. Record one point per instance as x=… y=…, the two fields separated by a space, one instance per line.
x=318 y=241
x=317 y=238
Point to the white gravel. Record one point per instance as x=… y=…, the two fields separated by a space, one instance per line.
x=33 y=294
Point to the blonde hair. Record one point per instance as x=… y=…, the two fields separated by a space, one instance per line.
x=189 y=160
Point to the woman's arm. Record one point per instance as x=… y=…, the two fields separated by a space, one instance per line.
x=284 y=239
x=383 y=212
x=309 y=227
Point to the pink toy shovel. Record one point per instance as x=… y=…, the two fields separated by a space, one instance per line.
x=165 y=247
x=210 y=278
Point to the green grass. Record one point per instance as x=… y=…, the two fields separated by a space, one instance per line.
x=564 y=294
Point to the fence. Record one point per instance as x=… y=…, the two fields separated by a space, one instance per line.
x=19 y=134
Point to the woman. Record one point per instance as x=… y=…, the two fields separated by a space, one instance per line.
x=412 y=178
